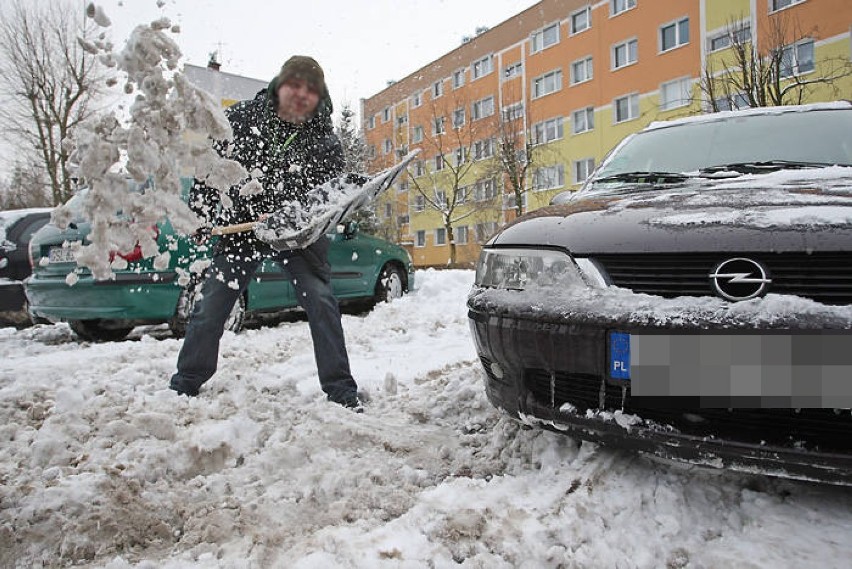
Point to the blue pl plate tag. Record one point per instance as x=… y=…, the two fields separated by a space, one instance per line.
x=619 y=355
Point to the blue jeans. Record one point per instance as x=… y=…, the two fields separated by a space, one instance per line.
x=311 y=277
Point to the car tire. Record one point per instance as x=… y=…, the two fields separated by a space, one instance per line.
x=185 y=304
x=390 y=285
x=100 y=330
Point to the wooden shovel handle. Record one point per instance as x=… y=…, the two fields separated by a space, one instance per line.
x=229 y=229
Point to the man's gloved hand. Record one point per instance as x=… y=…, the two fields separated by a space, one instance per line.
x=202 y=235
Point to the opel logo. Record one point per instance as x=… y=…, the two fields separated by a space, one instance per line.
x=740 y=279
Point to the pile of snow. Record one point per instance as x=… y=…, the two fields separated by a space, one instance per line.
x=102 y=466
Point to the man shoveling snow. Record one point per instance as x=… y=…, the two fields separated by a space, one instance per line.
x=284 y=138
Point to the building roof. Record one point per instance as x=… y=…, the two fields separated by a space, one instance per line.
x=226 y=87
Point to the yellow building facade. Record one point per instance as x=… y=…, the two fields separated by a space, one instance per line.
x=573 y=78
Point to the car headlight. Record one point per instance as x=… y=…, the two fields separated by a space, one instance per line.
x=524 y=268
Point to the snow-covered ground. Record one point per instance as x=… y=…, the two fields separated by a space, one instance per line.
x=102 y=466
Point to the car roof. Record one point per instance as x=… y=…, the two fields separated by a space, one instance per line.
x=757 y=111
x=10 y=216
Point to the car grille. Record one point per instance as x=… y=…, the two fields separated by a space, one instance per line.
x=821 y=428
x=824 y=277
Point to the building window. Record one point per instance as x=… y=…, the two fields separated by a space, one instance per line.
x=460 y=236
x=510 y=201
x=513 y=112
x=440 y=198
x=625 y=53
x=734 y=102
x=775 y=5
x=484 y=231
x=417 y=99
x=437 y=89
x=458 y=78
x=386 y=114
x=371 y=122
x=440 y=236
x=674 y=35
x=547 y=131
x=482 y=109
x=439 y=162
x=419 y=204
x=402 y=220
x=438 y=126
x=549 y=177
x=581 y=20
x=483 y=149
x=675 y=94
x=797 y=59
x=481 y=67
x=460 y=155
x=583 y=169
x=402 y=120
x=458 y=118
x=388 y=146
x=484 y=190
x=420 y=238
x=626 y=108
x=582 y=70
x=583 y=120
x=417 y=134
x=616 y=7
x=544 y=38
x=739 y=35
x=461 y=195
x=513 y=70
x=419 y=168
x=388 y=210
x=403 y=186
x=546 y=84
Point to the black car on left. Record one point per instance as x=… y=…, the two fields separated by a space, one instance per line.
x=16 y=228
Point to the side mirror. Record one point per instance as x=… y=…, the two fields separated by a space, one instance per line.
x=350 y=228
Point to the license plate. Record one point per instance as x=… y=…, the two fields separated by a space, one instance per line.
x=619 y=355
x=61 y=255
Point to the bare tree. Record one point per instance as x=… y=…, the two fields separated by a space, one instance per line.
x=27 y=187
x=49 y=82
x=457 y=182
x=778 y=69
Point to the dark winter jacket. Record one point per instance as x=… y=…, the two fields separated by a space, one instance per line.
x=287 y=159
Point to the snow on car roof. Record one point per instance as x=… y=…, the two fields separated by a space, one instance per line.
x=10 y=216
x=711 y=117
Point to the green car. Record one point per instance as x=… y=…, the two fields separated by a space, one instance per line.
x=365 y=270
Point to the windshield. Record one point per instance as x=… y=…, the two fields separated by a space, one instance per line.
x=815 y=138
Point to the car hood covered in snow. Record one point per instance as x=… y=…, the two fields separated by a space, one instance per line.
x=781 y=211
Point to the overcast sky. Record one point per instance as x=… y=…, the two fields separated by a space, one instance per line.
x=361 y=44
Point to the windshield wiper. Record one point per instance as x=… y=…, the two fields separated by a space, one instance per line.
x=645 y=177
x=763 y=166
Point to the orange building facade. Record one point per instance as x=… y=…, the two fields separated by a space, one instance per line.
x=560 y=84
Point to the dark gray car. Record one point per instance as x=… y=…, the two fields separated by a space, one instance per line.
x=16 y=228
x=693 y=301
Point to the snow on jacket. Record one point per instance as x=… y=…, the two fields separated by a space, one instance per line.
x=287 y=159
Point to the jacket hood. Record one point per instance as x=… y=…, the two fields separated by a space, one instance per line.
x=325 y=108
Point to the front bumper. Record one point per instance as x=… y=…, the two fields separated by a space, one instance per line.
x=145 y=297
x=552 y=372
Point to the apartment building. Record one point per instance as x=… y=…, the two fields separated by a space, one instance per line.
x=559 y=85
